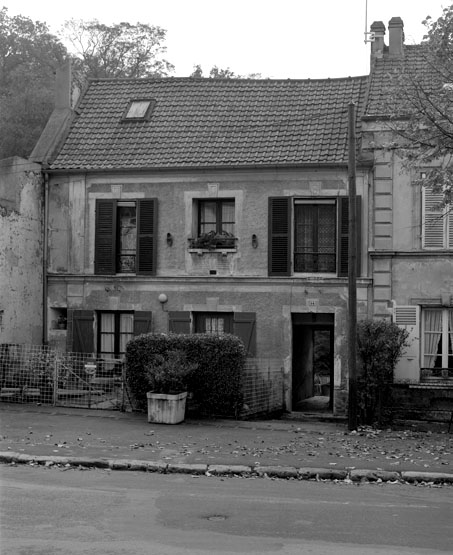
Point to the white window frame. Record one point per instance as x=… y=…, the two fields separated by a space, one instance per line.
x=444 y=335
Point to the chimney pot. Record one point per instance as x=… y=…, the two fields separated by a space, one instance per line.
x=396 y=37
x=377 y=46
x=63 y=86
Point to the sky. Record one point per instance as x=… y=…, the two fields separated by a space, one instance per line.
x=294 y=39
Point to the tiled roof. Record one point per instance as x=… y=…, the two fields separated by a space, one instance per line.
x=212 y=123
x=383 y=98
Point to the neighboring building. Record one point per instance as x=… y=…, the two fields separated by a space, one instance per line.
x=21 y=251
x=151 y=169
x=411 y=243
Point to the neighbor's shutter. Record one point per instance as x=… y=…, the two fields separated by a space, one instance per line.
x=343 y=235
x=408 y=367
x=82 y=331
x=434 y=221
x=244 y=327
x=146 y=236
x=142 y=322
x=179 y=322
x=279 y=248
x=105 y=237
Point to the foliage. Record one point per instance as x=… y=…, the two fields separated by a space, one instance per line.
x=213 y=240
x=420 y=104
x=29 y=56
x=218 y=73
x=216 y=385
x=380 y=344
x=169 y=373
x=118 y=50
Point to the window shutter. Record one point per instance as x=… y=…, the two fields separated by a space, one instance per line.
x=434 y=220
x=408 y=366
x=105 y=237
x=343 y=235
x=244 y=327
x=142 y=322
x=279 y=249
x=179 y=322
x=82 y=331
x=146 y=236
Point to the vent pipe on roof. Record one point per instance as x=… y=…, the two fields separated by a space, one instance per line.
x=396 y=37
x=377 y=46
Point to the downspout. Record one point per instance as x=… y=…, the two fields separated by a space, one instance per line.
x=45 y=338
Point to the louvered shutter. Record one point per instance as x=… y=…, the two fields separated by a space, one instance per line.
x=343 y=235
x=105 y=237
x=279 y=247
x=244 y=327
x=82 y=331
x=408 y=367
x=434 y=220
x=146 y=236
x=142 y=322
x=179 y=322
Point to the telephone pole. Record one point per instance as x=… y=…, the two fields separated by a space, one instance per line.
x=352 y=272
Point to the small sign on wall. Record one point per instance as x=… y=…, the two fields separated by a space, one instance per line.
x=312 y=303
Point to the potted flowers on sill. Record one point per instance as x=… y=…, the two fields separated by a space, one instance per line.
x=213 y=240
x=167 y=377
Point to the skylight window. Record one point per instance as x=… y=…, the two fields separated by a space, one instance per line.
x=139 y=109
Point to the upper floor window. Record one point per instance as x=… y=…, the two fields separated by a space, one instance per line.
x=215 y=223
x=125 y=236
x=320 y=240
x=437 y=221
x=140 y=109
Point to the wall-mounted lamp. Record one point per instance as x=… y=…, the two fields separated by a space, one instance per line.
x=254 y=241
x=169 y=239
x=162 y=298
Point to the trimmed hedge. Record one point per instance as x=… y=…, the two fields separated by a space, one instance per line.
x=216 y=384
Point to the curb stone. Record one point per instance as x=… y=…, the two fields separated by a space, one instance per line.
x=284 y=472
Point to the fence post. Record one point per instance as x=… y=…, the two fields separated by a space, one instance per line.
x=55 y=381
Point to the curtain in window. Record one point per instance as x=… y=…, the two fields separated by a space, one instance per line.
x=433 y=334
x=304 y=239
x=450 y=334
x=207 y=217
x=126 y=330
x=326 y=238
x=228 y=217
x=107 y=333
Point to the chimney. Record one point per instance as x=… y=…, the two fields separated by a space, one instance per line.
x=396 y=37
x=63 y=86
x=377 y=46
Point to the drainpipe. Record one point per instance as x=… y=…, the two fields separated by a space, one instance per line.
x=45 y=338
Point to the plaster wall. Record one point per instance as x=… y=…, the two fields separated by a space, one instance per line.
x=21 y=251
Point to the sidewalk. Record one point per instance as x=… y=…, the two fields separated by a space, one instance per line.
x=281 y=448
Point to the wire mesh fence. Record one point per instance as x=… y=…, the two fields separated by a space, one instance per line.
x=35 y=373
x=39 y=374
x=263 y=386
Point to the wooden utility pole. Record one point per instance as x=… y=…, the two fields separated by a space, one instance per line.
x=352 y=273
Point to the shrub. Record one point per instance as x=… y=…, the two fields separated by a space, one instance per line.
x=216 y=384
x=380 y=345
x=169 y=373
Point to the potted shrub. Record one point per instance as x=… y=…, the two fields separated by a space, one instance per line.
x=167 y=377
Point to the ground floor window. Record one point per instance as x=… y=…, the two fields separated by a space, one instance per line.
x=115 y=329
x=213 y=322
x=438 y=338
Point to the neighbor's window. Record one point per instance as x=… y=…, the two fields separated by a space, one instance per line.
x=438 y=336
x=115 y=329
x=437 y=221
x=315 y=236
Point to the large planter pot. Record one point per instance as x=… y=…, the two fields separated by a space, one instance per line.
x=166 y=408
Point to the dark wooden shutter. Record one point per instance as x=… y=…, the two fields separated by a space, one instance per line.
x=82 y=331
x=244 y=327
x=146 y=236
x=179 y=322
x=279 y=249
x=142 y=322
x=343 y=235
x=105 y=237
